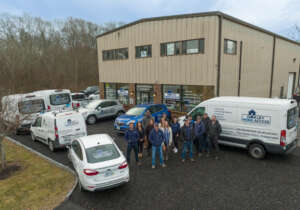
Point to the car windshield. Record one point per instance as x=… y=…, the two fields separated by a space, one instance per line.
x=92 y=105
x=78 y=97
x=32 y=106
x=60 y=99
x=136 y=111
x=291 y=118
x=101 y=153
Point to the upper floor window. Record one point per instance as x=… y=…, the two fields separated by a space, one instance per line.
x=182 y=47
x=230 y=47
x=143 y=51
x=115 y=54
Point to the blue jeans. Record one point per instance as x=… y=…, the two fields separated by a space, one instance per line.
x=187 y=145
x=159 y=148
x=135 y=148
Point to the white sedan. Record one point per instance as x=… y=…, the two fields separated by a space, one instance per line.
x=98 y=162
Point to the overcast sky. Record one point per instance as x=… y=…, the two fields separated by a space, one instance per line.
x=275 y=15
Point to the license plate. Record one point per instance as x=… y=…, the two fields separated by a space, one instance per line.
x=108 y=173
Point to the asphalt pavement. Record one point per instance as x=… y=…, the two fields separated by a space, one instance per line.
x=236 y=181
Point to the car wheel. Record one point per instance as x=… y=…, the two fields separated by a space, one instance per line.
x=51 y=146
x=91 y=120
x=257 y=151
x=32 y=136
x=120 y=113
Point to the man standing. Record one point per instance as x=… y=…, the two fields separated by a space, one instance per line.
x=199 y=131
x=214 y=131
x=187 y=134
x=132 y=137
x=156 y=137
x=146 y=119
x=206 y=121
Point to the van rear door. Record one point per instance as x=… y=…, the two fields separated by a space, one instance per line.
x=291 y=133
x=70 y=127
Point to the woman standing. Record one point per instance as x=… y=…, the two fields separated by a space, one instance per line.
x=167 y=131
x=141 y=132
x=148 y=130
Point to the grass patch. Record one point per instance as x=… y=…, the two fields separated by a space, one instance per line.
x=37 y=185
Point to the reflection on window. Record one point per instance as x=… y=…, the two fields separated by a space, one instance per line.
x=182 y=47
x=230 y=47
x=171 y=97
x=115 y=54
x=143 y=51
x=110 y=91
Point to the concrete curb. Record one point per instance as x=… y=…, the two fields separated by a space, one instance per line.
x=51 y=161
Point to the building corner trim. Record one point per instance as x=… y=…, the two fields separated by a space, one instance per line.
x=219 y=53
x=272 y=66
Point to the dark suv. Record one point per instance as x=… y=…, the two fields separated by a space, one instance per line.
x=90 y=90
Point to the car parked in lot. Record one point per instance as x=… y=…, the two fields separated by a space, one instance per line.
x=90 y=90
x=58 y=129
x=98 y=162
x=79 y=100
x=137 y=113
x=101 y=109
x=95 y=96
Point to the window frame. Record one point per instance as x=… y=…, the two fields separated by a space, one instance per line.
x=163 y=47
x=139 y=47
x=225 y=47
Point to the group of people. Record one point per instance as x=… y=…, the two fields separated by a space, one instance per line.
x=165 y=136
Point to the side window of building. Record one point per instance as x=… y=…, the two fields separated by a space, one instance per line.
x=230 y=47
x=182 y=47
x=115 y=54
x=143 y=51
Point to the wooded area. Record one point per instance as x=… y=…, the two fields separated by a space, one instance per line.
x=37 y=54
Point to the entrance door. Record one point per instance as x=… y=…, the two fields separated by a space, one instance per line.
x=291 y=85
x=145 y=97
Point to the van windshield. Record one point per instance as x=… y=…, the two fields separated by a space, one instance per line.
x=291 y=118
x=60 y=99
x=101 y=153
x=31 y=106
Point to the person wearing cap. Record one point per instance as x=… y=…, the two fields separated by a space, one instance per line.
x=156 y=138
x=132 y=138
x=187 y=133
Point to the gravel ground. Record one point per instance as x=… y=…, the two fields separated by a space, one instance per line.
x=236 y=181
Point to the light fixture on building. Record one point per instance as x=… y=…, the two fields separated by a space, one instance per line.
x=294 y=60
x=131 y=93
x=154 y=94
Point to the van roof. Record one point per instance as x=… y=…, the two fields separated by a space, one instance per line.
x=255 y=100
x=52 y=91
x=95 y=140
x=61 y=113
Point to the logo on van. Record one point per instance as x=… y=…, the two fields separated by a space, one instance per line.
x=252 y=117
x=71 y=123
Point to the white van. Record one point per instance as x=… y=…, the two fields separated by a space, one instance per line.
x=23 y=108
x=58 y=129
x=258 y=124
x=59 y=99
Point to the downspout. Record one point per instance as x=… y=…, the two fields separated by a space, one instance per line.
x=219 y=53
x=272 y=66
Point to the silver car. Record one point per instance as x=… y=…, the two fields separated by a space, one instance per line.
x=103 y=108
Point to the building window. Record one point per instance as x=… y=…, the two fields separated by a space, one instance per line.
x=172 y=97
x=116 y=54
x=182 y=47
x=144 y=94
x=143 y=51
x=110 y=91
x=230 y=47
x=191 y=97
x=123 y=93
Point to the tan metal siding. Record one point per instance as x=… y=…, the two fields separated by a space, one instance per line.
x=285 y=52
x=256 y=61
x=198 y=69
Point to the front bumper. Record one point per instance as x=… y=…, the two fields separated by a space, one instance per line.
x=121 y=128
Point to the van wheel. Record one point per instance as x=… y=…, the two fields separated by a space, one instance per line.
x=257 y=151
x=32 y=136
x=91 y=120
x=51 y=146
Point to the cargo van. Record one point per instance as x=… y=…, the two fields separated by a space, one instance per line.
x=260 y=125
x=21 y=110
x=58 y=128
x=56 y=99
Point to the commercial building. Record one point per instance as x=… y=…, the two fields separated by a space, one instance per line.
x=182 y=60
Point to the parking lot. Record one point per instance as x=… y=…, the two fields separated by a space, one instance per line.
x=236 y=181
